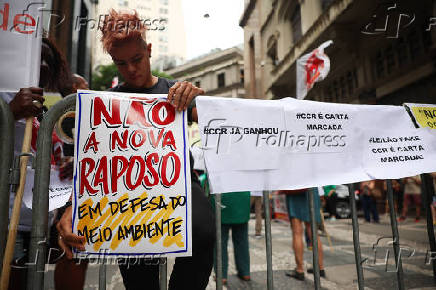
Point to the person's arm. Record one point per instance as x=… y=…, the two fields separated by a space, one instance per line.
x=23 y=105
x=66 y=237
x=181 y=95
x=331 y=192
x=417 y=180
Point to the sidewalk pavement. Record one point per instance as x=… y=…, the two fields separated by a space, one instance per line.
x=338 y=259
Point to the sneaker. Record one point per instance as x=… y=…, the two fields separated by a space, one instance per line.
x=417 y=220
x=244 y=278
x=402 y=219
x=258 y=236
x=321 y=272
x=332 y=219
x=294 y=274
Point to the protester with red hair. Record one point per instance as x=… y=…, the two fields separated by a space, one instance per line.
x=123 y=37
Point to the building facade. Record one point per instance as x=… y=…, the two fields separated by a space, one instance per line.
x=220 y=73
x=165 y=30
x=62 y=20
x=382 y=53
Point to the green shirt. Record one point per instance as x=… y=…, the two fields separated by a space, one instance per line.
x=328 y=188
x=235 y=207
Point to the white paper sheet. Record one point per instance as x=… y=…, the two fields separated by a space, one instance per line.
x=322 y=144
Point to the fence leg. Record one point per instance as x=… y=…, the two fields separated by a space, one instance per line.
x=314 y=227
x=356 y=242
x=218 y=249
x=38 y=240
x=102 y=275
x=268 y=241
x=7 y=124
x=427 y=194
x=163 y=274
x=396 y=236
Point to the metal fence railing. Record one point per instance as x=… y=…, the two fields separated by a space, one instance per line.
x=7 y=153
x=40 y=210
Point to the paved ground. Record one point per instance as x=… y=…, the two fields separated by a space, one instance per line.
x=339 y=260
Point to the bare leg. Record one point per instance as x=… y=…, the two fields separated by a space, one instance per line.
x=433 y=213
x=297 y=243
x=320 y=250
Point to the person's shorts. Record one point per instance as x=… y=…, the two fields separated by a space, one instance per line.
x=298 y=207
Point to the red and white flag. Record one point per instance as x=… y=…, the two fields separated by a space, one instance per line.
x=114 y=82
x=311 y=68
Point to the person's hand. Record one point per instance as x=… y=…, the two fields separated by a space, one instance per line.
x=181 y=94
x=27 y=103
x=66 y=237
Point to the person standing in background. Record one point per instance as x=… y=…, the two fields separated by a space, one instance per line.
x=369 y=201
x=297 y=202
x=412 y=194
x=331 y=198
x=257 y=201
x=235 y=214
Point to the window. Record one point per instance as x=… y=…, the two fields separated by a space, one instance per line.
x=350 y=84
x=343 y=87
x=328 y=94
x=379 y=65
x=241 y=75
x=198 y=84
x=164 y=2
x=297 y=33
x=414 y=44
x=221 y=80
x=390 y=59
x=402 y=53
x=272 y=52
x=163 y=11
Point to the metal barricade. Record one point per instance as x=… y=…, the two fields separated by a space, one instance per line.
x=427 y=190
x=38 y=240
x=268 y=241
x=7 y=153
x=356 y=242
x=40 y=201
x=40 y=209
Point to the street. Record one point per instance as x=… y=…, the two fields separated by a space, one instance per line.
x=338 y=259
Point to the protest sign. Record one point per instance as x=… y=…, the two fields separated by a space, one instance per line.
x=132 y=189
x=293 y=144
x=423 y=115
x=20 y=48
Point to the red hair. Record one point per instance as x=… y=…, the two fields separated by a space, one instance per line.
x=119 y=27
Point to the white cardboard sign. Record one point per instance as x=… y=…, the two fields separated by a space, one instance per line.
x=132 y=184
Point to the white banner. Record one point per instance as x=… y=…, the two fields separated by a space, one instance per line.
x=132 y=184
x=20 y=45
x=293 y=144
